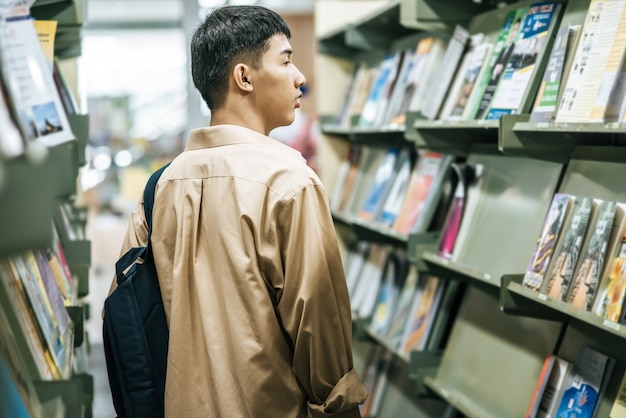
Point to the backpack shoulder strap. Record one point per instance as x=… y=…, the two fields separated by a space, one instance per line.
x=148 y=195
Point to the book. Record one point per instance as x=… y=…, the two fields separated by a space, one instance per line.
x=438 y=89
x=612 y=289
x=588 y=85
x=346 y=181
x=553 y=374
x=548 y=94
x=381 y=184
x=365 y=77
x=548 y=236
x=30 y=85
x=520 y=68
x=452 y=222
x=591 y=268
x=19 y=398
x=590 y=374
x=456 y=83
x=397 y=192
x=560 y=372
x=396 y=96
x=424 y=182
x=403 y=306
x=609 y=101
x=478 y=55
x=567 y=251
x=375 y=380
x=501 y=54
x=430 y=52
x=381 y=89
x=370 y=280
x=353 y=266
x=393 y=275
x=17 y=301
x=39 y=304
x=618 y=410
x=369 y=161
x=422 y=314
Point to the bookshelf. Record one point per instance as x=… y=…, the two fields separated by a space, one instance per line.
x=35 y=186
x=489 y=360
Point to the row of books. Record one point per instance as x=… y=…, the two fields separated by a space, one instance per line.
x=566 y=389
x=474 y=77
x=580 y=255
x=34 y=97
x=39 y=287
x=400 y=305
x=390 y=187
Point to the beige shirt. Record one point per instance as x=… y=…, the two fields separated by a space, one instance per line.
x=252 y=282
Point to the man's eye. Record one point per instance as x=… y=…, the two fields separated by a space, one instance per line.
x=287 y=62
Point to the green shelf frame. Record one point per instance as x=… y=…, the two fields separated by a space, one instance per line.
x=450 y=269
x=78 y=256
x=66 y=13
x=80 y=129
x=516 y=299
x=421 y=243
x=462 y=403
x=376 y=32
x=75 y=392
x=437 y=15
x=77 y=315
x=63 y=164
x=458 y=137
x=557 y=142
x=27 y=202
x=422 y=365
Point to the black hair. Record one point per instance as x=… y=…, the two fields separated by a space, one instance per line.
x=228 y=35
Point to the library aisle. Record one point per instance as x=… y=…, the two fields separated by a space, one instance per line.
x=106 y=232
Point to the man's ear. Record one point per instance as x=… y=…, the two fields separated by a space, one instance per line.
x=242 y=77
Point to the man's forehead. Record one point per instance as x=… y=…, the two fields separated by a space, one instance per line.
x=279 y=45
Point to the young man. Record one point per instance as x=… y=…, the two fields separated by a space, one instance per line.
x=244 y=243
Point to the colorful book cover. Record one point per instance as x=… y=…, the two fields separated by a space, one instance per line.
x=561 y=271
x=552 y=226
x=521 y=66
x=424 y=173
x=394 y=273
x=589 y=375
x=452 y=223
x=347 y=188
x=437 y=90
x=385 y=173
x=589 y=272
x=611 y=297
x=398 y=191
x=550 y=398
x=499 y=57
x=477 y=61
x=590 y=59
x=422 y=314
x=378 y=95
x=548 y=94
x=402 y=308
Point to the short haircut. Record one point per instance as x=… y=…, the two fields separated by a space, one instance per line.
x=229 y=35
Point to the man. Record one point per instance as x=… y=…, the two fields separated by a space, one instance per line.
x=244 y=244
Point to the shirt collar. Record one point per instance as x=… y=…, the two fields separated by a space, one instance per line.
x=220 y=135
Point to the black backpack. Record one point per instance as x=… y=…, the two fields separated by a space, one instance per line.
x=135 y=331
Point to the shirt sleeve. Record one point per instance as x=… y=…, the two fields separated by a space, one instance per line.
x=136 y=235
x=314 y=305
